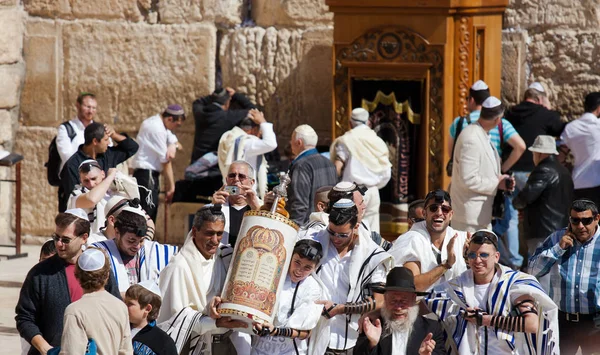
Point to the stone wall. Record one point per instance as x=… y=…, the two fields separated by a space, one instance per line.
x=140 y=55
x=557 y=43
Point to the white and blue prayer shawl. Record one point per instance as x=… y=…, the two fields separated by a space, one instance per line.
x=152 y=256
x=449 y=298
x=366 y=257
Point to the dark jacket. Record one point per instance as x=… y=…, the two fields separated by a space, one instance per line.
x=212 y=121
x=152 y=340
x=308 y=173
x=531 y=120
x=546 y=198
x=43 y=300
x=69 y=176
x=421 y=328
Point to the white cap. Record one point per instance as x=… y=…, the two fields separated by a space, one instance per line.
x=112 y=202
x=345 y=186
x=78 y=212
x=151 y=286
x=344 y=203
x=537 y=86
x=91 y=260
x=136 y=210
x=491 y=102
x=360 y=115
x=544 y=144
x=479 y=85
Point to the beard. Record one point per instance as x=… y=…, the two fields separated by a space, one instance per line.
x=404 y=325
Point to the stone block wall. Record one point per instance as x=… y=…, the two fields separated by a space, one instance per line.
x=140 y=55
x=555 y=42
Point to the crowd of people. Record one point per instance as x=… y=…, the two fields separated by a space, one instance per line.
x=505 y=261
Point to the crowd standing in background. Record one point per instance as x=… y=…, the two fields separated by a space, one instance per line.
x=505 y=262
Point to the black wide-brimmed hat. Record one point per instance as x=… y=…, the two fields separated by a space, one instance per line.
x=400 y=279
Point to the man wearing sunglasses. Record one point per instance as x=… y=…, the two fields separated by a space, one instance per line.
x=492 y=309
x=236 y=197
x=51 y=286
x=432 y=250
x=352 y=265
x=570 y=257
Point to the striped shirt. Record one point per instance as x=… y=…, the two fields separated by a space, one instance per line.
x=574 y=272
x=507 y=130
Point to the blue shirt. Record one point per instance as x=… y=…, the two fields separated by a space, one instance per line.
x=574 y=272
x=507 y=130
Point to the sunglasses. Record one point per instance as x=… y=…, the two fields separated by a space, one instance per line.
x=481 y=237
x=88 y=167
x=65 y=240
x=585 y=220
x=473 y=255
x=434 y=208
x=339 y=235
x=242 y=177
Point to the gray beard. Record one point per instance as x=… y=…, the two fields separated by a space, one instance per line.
x=402 y=325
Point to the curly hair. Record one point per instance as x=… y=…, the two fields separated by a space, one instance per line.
x=93 y=280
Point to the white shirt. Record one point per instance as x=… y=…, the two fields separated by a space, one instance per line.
x=399 y=343
x=96 y=215
x=154 y=139
x=65 y=146
x=358 y=173
x=255 y=146
x=581 y=136
x=335 y=274
x=495 y=346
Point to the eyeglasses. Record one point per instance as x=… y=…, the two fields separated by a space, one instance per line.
x=473 y=255
x=434 y=208
x=339 y=235
x=585 y=220
x=65 y=240
x=242 y=177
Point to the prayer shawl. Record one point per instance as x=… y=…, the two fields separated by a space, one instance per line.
x=365 y=146
x=181 y=285
x=232 y=148
x=366 y=257
x=415 y=245
x=449 y=298
x=153 y=257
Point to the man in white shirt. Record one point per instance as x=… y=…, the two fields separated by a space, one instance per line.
x=581 y=136
x=237 y=196
x=93 y=193
x=364 y=158
x=352 y=264
x=431 y=249
x=155 y=155
x=250 y=141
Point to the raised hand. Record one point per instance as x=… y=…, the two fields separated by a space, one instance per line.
x=372 y=331
x=427 y=345
x=450 y=249
x=220 y=196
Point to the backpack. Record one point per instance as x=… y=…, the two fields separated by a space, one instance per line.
x=53 y=163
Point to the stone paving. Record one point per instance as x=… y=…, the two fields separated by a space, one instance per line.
x=12 y=274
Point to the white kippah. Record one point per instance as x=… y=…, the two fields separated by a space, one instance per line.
x=479 y=85
x=151 y=286
x=91 y=260
x=136 y=210
x=112 y=202
x=78 y=212
x=344 y=203
x=345 y=186
x=537 y=86
x=360 y=115
x=491 y=102
x=305 y=129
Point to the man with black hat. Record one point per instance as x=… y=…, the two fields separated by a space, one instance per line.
x=491 y=308
x=402 y=330
x=157 y=150
x=214 y=115
x=476 y=171
x=431 y=249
